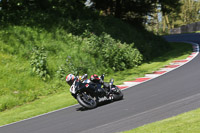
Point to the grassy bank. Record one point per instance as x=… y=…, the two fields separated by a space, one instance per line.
x=184 y=123
x=63 y=98
x=34 y=60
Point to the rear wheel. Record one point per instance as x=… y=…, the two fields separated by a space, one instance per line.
x=117 y=94
x=86 y=100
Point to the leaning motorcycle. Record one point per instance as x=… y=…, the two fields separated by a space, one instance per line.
x=90 y=94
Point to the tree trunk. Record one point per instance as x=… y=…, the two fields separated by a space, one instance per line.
x=167 y=21
x=4 y=4
x=164 y=23
x=118 y=9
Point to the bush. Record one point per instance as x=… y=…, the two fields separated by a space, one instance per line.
x=113 y=53
x=39 y=63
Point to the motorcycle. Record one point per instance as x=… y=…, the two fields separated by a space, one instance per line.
x=89 y=94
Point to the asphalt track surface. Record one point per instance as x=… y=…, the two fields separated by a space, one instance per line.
x=173 y=93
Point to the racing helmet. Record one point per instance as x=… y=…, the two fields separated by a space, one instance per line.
x=70 y=79
x=95 y=78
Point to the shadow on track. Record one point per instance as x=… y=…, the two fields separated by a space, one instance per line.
x=99 y=105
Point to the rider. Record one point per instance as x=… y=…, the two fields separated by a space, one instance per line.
x=70 y=79
x=94 y=79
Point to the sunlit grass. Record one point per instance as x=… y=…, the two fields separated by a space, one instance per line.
x=184 y=123
x=41 y=106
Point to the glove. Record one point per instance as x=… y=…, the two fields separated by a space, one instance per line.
x=84 y=77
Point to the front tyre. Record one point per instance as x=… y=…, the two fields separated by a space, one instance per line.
x=86 y=100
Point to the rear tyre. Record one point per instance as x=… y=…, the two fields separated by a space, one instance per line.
x=117 y=94
x=86 y=100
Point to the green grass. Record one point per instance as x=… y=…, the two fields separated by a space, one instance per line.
x=18 y=85
x=184 y=123
x=63 y=99
x=41 y=106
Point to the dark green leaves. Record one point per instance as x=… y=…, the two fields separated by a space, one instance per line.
x=39 y=63
x=114 y=54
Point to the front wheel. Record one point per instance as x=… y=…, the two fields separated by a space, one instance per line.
x=86 y=100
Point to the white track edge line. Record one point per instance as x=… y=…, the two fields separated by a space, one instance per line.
x=39 y=115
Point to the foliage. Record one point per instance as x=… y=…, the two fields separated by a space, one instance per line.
x=130 y=10
x=114 y=54
x=190 y=11
x=176 y=14
x=68 y=67
x=187 y=12
x=39 y=63
x=135 y=11
x=18 y=85
x=169 y=6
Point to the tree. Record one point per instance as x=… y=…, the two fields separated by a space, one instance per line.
x=190 y=11
x=14 y=5
x=135 y=10
x=169 y=8
x=187 y=11
x=16 y=10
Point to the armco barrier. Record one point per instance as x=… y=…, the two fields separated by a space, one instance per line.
x=186 y=28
